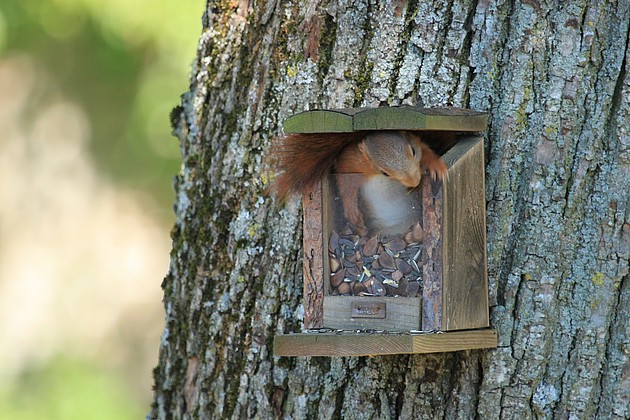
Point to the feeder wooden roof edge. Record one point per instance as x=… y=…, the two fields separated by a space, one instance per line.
x=386 y=118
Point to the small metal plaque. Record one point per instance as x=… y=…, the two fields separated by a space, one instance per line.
x=368 y=310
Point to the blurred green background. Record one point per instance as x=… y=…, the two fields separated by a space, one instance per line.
x=86 y=167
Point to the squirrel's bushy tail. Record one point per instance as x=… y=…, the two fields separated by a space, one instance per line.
x=301 y=160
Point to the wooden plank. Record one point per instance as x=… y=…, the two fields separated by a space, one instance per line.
x=460 y=149
x=390 y=118
x=320 y=121
x=386 y=118
x=465 y=284
x=414 y=118
x=330 y=344
x=314 y=259
x=432 y=254
x=368 y=344
x=456 y=119
x=401 y=313
x=455 y=340
x=327 y=228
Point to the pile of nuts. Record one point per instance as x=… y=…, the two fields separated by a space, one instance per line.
x=387 y=266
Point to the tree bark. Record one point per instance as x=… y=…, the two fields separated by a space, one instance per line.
x=553 y=78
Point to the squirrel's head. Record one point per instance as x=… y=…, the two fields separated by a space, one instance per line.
x=395 y=154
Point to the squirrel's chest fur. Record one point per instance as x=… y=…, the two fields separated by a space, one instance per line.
x=389 y=206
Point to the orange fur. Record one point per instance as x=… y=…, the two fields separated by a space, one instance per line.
x=303 y=159
x=432 y=163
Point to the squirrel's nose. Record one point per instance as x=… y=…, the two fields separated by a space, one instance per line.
x=412 y=181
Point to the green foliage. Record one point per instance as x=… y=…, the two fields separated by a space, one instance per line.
x=68 y=390
x=126 y=63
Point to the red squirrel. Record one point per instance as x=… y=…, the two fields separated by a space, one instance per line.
x=400 y=156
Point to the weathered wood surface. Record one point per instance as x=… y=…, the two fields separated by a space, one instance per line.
x=432 y=254
x=386 y=118
x=315 y=258
x=401 y=313
x=553 y=77
x=464 y=284
x=372 y=344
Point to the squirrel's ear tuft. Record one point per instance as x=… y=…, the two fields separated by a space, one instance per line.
x=363 y=150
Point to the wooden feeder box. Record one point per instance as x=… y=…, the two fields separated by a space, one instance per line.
x=419 y=290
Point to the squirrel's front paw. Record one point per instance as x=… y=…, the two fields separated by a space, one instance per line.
x=437 y=169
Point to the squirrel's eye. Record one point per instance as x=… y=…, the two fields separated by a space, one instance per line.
x=413 y=152
x=384 y=173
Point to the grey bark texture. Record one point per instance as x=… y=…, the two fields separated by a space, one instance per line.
x=553 y=76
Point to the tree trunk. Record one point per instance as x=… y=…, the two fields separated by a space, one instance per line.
x=553 y=78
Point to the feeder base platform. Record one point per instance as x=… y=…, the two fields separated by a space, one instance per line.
x=368 y=343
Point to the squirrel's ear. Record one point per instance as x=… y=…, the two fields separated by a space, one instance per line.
x=413 y=151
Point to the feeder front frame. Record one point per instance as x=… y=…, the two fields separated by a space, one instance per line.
x=455 y=293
